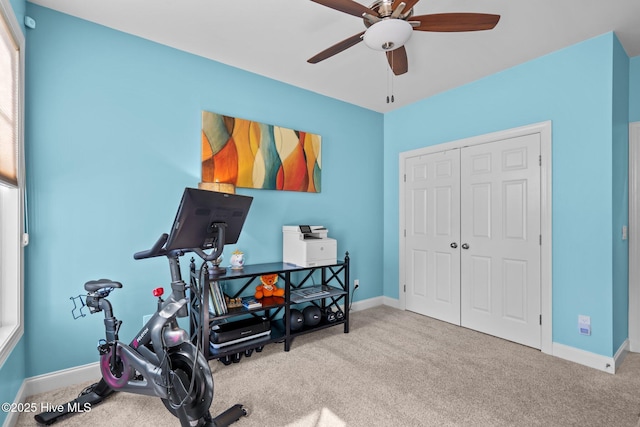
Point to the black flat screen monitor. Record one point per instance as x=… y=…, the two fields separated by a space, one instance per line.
x=195 y=225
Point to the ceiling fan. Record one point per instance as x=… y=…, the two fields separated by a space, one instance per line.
x=390 y=24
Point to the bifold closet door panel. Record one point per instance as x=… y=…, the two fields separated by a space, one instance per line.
x=432 y=259
x=500 y=238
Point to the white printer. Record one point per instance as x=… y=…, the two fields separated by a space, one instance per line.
x=308 y=246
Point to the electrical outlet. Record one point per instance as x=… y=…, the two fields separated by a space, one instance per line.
x=356 y=283
x=584 y=324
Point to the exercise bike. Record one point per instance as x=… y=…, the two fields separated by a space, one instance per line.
x=161 y=360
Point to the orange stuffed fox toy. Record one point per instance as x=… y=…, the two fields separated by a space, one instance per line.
x=267 y=287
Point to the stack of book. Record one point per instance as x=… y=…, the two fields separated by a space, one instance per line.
x=251 y=302
x=217 y=299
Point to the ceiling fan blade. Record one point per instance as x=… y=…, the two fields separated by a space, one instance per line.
x=397 y=59
x=347 y=6
x=452 y=22
x=336 y=48
x=408 y=4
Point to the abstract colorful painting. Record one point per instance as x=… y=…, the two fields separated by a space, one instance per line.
x=256 y=155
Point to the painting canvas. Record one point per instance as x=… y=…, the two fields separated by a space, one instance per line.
x=256 y=155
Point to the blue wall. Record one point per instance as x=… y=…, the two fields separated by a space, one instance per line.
x=13 y=370
x=12 y=375
x=573 y=88
x=114 y=137
x=634 y=89
x=19 y=7
x=620 y=193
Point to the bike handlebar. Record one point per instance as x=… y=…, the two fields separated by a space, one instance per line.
x=156 y=249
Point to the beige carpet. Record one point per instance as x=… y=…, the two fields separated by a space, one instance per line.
x=395 y=368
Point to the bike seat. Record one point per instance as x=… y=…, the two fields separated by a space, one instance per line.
x=96 y=285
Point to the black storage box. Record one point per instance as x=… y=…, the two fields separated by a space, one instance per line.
x=240 y=330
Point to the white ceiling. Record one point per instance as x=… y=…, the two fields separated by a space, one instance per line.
x=274 y=38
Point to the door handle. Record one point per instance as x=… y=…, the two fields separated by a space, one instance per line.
x=465 y=246
x=454 y=245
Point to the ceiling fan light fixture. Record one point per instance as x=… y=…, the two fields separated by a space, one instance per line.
x=388 y=34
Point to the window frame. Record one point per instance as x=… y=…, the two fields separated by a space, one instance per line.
x=12 y=215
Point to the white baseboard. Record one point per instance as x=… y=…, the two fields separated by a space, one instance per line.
x=391 y=302
x=63 y=378
x=12 y=417
x=582 y=357
x=375 y=302
x=51 y=381
x=367 y=303
x=592 y=360
x=622 y=353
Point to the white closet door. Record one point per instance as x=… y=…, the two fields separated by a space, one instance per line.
x=432 y=260
x=500 y=246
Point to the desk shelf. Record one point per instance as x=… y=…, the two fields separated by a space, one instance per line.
x=334 y=279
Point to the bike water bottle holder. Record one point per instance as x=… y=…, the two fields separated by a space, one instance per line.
x=91 y=300
x=78 y=306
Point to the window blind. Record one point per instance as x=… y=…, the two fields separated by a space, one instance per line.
x=9 y=57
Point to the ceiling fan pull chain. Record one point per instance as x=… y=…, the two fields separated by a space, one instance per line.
x=391 y=75
x=393 y=56
x=388 y=83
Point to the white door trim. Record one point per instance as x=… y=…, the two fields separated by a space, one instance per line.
x=634 y=238
x=544 y=129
